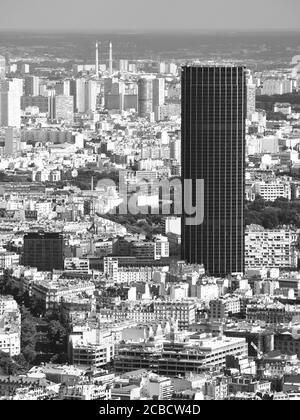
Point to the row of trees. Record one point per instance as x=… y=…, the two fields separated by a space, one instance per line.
x=37 y=326
x=267 y=102
x=12 y=365
x=271 y=215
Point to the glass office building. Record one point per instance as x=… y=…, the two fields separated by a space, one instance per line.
x=214 y=105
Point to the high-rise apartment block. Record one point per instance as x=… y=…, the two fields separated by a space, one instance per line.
x=2 y=67
x=158 y=92
x=145 y=97
x=63 y=88
x=77 y=90
x=64 y=108
x=90 y=95
x=270 y=248
x=10 y=103
x=277 y=86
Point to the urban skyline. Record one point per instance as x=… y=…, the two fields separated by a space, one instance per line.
x=149 y=203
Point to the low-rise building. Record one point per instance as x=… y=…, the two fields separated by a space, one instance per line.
x=91 y=348
x=173 y=358
x=224 y=307
x=51 y=294
x=183 y=311
x=272 y=313
x=270 y=191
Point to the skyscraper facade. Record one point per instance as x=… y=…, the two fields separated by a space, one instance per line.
x=145 y=97
x=214 y=105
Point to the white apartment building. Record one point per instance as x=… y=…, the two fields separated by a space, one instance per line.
x=158 y=387
x=270 y=191
x=7 y=304
x=10 y=342
x=206 y=292
x=277 y=87
x=10 y=103
x=161 y=247
x=270 y=248
x=9 y=260
x=10 y=326
x=129 y=275
x=179 y=291
x=77 y=264
x=134 y=315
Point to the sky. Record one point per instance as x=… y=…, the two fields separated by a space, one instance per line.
x=148 y=15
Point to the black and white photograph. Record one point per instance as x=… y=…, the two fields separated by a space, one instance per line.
x=149 y=203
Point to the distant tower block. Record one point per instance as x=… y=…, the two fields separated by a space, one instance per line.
x=145 y=97
x=2 y=67
x=110 y=59
x=97 y=60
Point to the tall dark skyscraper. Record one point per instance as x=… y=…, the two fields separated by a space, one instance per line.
x=44 y=250
x=213 y=149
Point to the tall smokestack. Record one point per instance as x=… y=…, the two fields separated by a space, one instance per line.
x=97 y=60
x=110 y=59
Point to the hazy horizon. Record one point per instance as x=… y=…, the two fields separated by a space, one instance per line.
x=136 y=16
x=118 y=31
